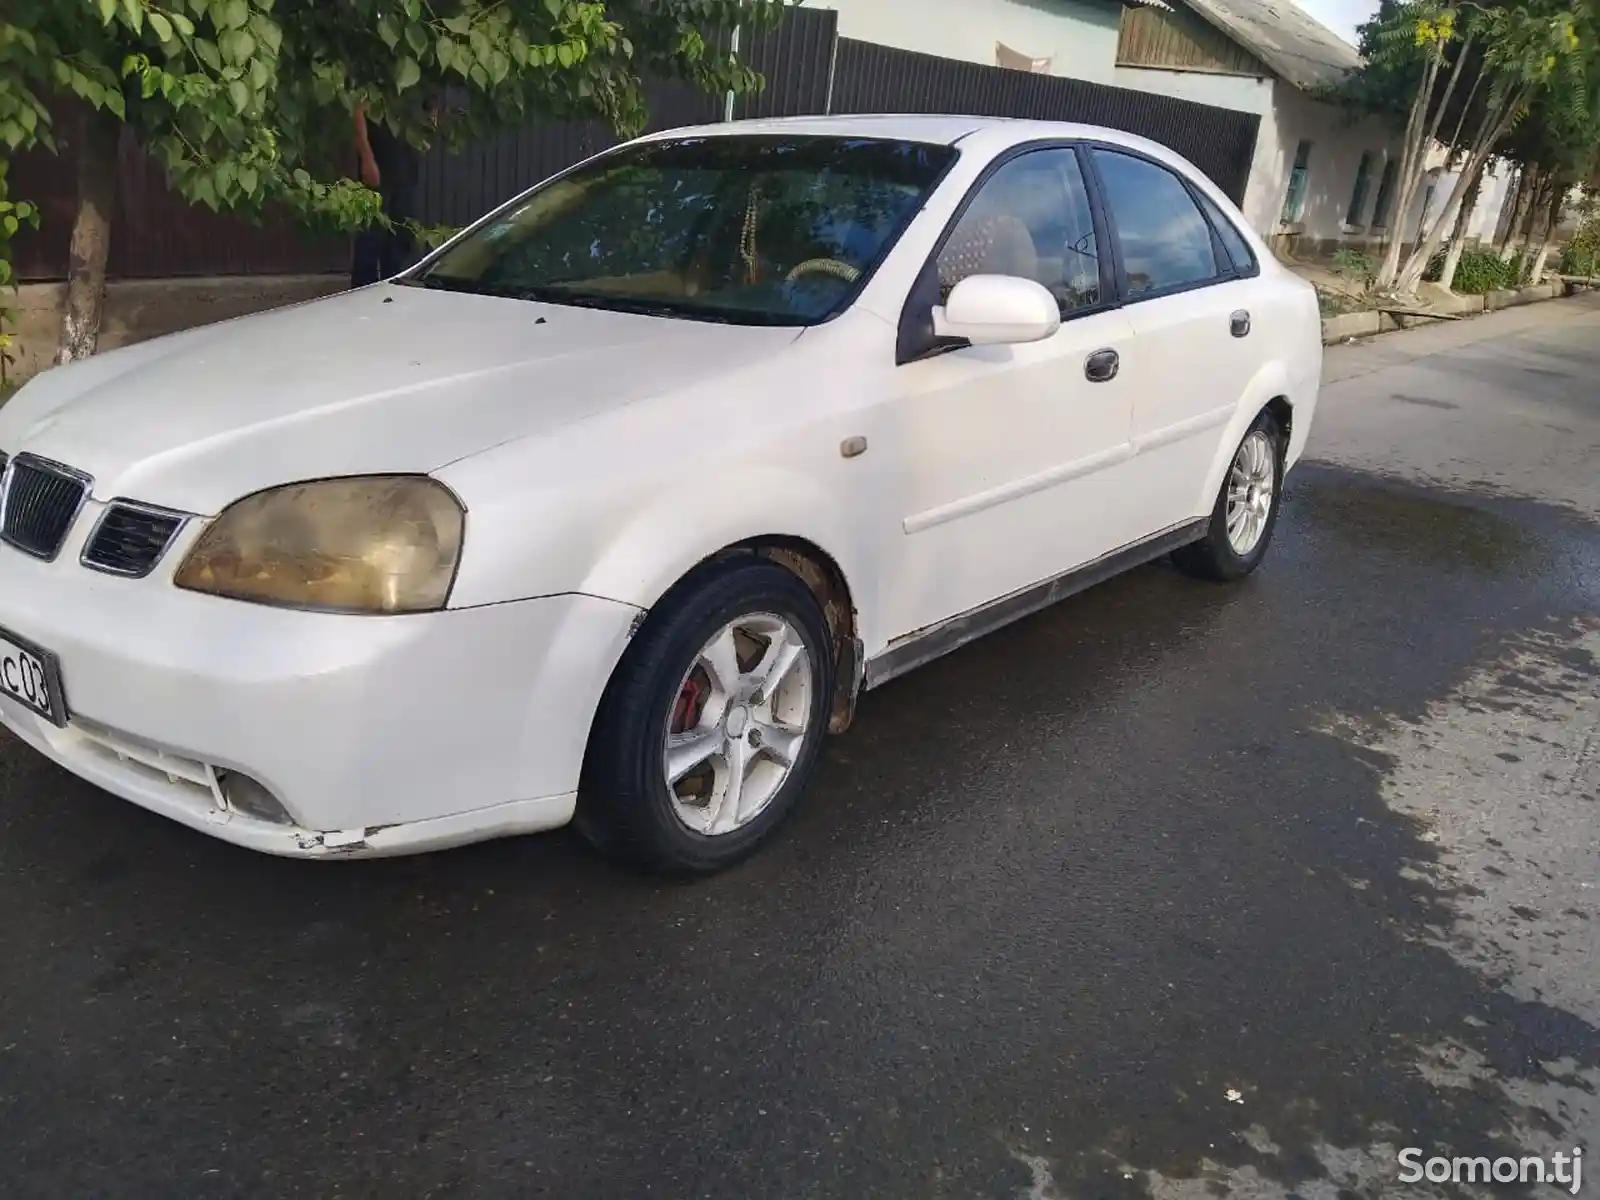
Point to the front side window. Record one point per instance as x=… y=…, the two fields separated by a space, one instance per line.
x=1165 y=241
x=1030 y=218
x=757 y=230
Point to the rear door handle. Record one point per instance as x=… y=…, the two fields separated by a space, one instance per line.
x=1239 y=323
x=1101 y=366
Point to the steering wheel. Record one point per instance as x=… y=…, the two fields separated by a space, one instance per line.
x=824 y=266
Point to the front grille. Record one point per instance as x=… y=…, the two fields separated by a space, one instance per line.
x=131 y=538
x=40 y=503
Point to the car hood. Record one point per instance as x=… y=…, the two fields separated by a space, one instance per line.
x=384 y=380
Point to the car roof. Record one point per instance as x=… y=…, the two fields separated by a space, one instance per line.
x=939 y=129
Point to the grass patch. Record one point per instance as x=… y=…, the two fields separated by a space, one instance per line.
x=1334 y=303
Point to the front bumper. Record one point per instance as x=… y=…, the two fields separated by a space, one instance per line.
x=378 y=735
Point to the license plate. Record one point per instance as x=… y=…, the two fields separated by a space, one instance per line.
x=31 y=677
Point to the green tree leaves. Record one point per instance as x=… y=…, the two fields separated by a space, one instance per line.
x=248 y=103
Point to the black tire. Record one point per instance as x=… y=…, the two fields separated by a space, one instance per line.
x=624 y=807
x=1213 y=556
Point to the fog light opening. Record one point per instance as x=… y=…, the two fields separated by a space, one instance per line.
x=245 y=795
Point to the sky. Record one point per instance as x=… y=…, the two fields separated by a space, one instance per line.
x=1341 y=16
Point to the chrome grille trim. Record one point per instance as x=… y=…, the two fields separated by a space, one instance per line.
x=36 y=514
x=123 y=556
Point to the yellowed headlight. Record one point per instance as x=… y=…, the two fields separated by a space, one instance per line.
x=371 y=544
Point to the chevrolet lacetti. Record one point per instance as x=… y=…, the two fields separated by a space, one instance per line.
x=608 y=510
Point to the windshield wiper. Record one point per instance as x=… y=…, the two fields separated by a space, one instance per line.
x=446 y=283
x=560 y=294
x=629 y=304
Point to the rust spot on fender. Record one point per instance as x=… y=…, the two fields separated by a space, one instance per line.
x=840 y=615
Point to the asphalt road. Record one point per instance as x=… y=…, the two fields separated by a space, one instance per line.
x=1174 y=890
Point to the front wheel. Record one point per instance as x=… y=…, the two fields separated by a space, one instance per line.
x=1246 y=511
x=713 y=722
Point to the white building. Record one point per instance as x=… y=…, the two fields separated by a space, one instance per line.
x=1318 y=181
x=1077 y=38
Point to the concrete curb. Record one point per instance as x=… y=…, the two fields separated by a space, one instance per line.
x=1350 y=325
x=1368 y=324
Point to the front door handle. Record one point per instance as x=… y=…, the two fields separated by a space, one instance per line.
x=1239 y=323
x=1101 y=366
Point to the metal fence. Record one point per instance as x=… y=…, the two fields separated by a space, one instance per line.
x=794 y=60
x=459 y=188
x=873 y=78
x=807 y=67
x=155 y=234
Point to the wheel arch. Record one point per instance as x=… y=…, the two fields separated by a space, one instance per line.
x=1282 y=410
x=821 y=573
x=647 y=563
x=1268 y=390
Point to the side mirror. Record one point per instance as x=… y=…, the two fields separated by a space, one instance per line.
x=997 y=310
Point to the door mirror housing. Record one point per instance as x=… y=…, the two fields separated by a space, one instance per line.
x=997 y=310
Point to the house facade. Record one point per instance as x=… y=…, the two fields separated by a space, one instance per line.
x=1319 y=180
x=1076 y=38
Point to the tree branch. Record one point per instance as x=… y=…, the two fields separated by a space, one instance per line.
x=1449 y=88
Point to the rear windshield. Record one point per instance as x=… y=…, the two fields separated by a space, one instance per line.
x=749 y=229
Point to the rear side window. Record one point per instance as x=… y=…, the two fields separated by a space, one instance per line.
x=1165 y=241
x=1232 y=240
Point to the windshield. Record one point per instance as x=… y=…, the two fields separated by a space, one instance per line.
x=748 y=229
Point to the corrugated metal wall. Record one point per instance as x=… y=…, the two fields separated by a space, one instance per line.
x=458 y=189
x=796 y=60
x=155 y=234
x=807 y=67
x=873 y=78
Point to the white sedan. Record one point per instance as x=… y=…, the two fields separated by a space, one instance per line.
x=608 y=510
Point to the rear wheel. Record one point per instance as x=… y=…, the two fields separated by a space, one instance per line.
x=1246 y=510
x=712 y=723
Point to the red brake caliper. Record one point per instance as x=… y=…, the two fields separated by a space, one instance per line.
x=688 y=706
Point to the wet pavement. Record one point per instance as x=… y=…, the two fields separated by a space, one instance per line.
x=1174 y=890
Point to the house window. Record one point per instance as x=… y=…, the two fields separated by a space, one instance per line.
x=1380 y=210
x=1294 y=201
x=1358 y=196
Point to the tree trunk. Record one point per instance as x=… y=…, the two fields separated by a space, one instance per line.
x=1537 y=199
x=1551 y=220
x=1527 y=198
x=1495 y=124
x=1458 y=235
x=1412 y=154
x=1411 y=273
x=98 y=134
x=1519 y=203
x=1390 y=266
x=1536 y=272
